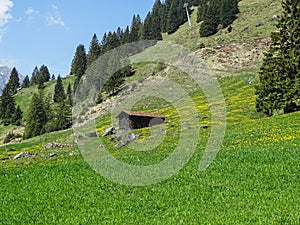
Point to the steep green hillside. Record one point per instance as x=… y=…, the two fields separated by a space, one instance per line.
x=23 y=99
x=243 y=48
x=253 y=180
x=251 y=12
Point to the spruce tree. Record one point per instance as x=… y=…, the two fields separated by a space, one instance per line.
x=164 y=14
x=94 y=51
x=112 y=41
x=17 y=117
x=278 y=90
x=135 y=28
x=202 y=10
x=34 y=76
x=14 y=81
x=212 y=19
x=7 y=105
x=63 y=116
x=172 y=19
x=59 y=91
x=44 y=74
x=37 y=117
x=147 y=28
x=126 y=36
x=70 y=95
x=79 y=62
x=26 y=82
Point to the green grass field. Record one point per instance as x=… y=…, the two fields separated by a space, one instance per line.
x=253 y=180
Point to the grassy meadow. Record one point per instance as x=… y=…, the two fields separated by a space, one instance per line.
x=254 y=179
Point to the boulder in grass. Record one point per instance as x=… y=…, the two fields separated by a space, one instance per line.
x=259 y=24
x=23 y=155
x=109 y=131
x=91 y=134
x=53 y=154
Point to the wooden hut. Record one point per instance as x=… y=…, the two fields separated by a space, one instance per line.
x=135 y=120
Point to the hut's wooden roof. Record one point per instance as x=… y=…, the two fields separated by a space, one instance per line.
x=142 y=114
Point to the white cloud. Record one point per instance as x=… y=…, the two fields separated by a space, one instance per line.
x=31 y=11
x=9 y=62
x=5 y=16
x=55 y=19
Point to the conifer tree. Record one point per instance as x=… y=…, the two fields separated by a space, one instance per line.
x=94 y=50
x=112 y=41
x=79 y=62
x=135 y=28
x=17 y=117
x=164 y=14
x=202 y=10
x=113 y=84
x=7 y=105
x=59 y=91
x=62 y=116
x=147 y=28
x=37 y=117
x=26 y=82
x=126 y=36
x=70 y=95
x=172 y=19
x=279 y=87
x=34 y=76
x=212 y=19
x=14 y=81
x=44 y=74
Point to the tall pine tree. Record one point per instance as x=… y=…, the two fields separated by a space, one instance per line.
x=59 y=91
x=34 y=76
x=7 y=105
x=94 y=51
x=14 y=81
x=135 y=28
x=37 y=117
x=279 y=87
x=79 y=62
x=26 y=82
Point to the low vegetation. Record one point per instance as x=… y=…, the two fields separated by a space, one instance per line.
x=253 y=180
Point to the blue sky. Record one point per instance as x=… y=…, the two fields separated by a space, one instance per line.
x=37 y=32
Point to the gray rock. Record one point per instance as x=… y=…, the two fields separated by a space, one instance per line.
x=91 y=134
x=79 y=136
x=274 y=17
x=53 y=154
x=130 y=137
x=23 y=155
x=53 y=145
x=259 y=24
x=109 y=131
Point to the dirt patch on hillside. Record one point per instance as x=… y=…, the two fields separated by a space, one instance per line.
x=235 y=56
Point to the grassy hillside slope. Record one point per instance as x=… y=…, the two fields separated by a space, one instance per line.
x=240 y=49
x=253 y=180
